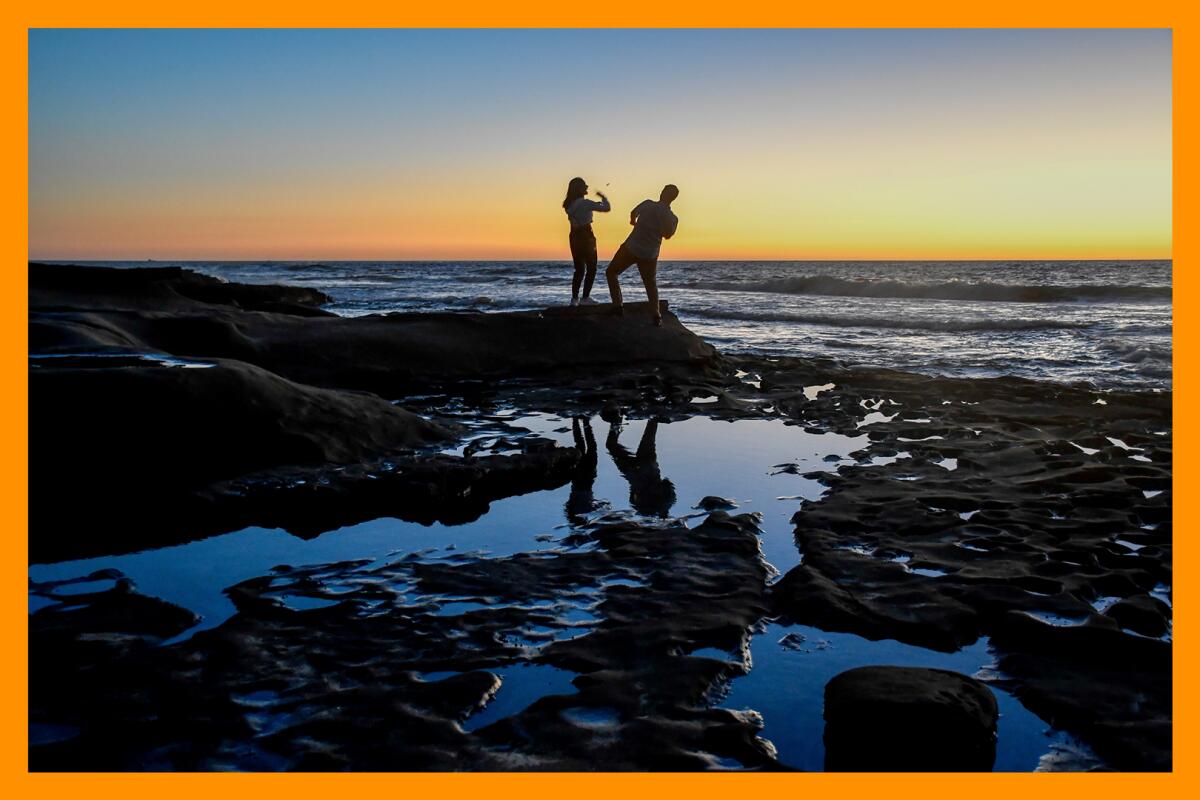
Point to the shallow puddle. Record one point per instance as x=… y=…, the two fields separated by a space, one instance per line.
x=682 y=461
x=792 y=664
x=520 y=686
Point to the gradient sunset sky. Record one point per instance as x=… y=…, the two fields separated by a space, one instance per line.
x=817 y=144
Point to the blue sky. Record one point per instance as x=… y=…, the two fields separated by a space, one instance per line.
x=225 y=143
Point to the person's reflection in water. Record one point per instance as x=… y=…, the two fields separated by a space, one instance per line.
x=649 y=492
x=581 y=502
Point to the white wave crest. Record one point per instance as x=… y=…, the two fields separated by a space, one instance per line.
x=949 y=290
x=908 y=323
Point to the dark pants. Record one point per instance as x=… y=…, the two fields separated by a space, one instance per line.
x=583 y=253
x=647 y=267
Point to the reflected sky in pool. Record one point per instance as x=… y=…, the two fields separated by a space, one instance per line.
x=700 y=456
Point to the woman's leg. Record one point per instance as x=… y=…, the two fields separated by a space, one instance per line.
x=590 y=262
x=622 y=261
x=649 y=272
x=579 y=256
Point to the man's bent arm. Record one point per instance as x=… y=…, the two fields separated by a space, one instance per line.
x=671 y=227
x=637 y=211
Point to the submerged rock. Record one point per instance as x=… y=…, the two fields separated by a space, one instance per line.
x=714 y=503
x=907 y=719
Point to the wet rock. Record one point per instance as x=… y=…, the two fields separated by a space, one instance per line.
x=905 y=719
x=1111 y=688
x=355 y=683
x=793 y=641
x=117 y=612
x=81 y=644
x=1142 y=614
x=415 y=488
x=876 y=599
x=1024 y=532
x=714 y=503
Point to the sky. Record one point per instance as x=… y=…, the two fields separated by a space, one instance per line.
x=458 y=144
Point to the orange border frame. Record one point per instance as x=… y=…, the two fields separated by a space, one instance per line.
x=14 y=776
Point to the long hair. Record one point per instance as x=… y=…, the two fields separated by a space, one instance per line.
x=576 y=189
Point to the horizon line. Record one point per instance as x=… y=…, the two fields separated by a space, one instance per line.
x=42 y=260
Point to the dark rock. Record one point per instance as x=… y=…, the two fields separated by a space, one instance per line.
x=841 y=590
x=1110 y=688
x=310 y=502
x=119 y=610
x=1097 y=640
x=793 y=641
x=186 y=314
x=905 y=719
x=714 y=503
x=339 y=686
x=190 y=426
x=1142 y=614
x=161 y=289
x=125 y=441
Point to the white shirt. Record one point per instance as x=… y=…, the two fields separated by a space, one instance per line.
x=580 y=211
x=654 y=221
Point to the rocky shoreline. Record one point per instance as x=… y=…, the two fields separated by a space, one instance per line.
x=167 y=406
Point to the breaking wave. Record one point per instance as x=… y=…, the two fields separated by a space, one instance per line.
x=1135 y=353
x=950 y=290
x=910 y=323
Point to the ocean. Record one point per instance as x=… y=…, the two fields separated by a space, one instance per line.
x=1104 y=322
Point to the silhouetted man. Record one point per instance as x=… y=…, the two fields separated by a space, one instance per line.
x=652 y=222
x=649 y=492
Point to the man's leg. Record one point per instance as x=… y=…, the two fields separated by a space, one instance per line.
x=649 y=271
x=622 y=261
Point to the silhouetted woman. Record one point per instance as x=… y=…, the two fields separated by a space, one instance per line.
x=583 y=242
x=581 y=501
